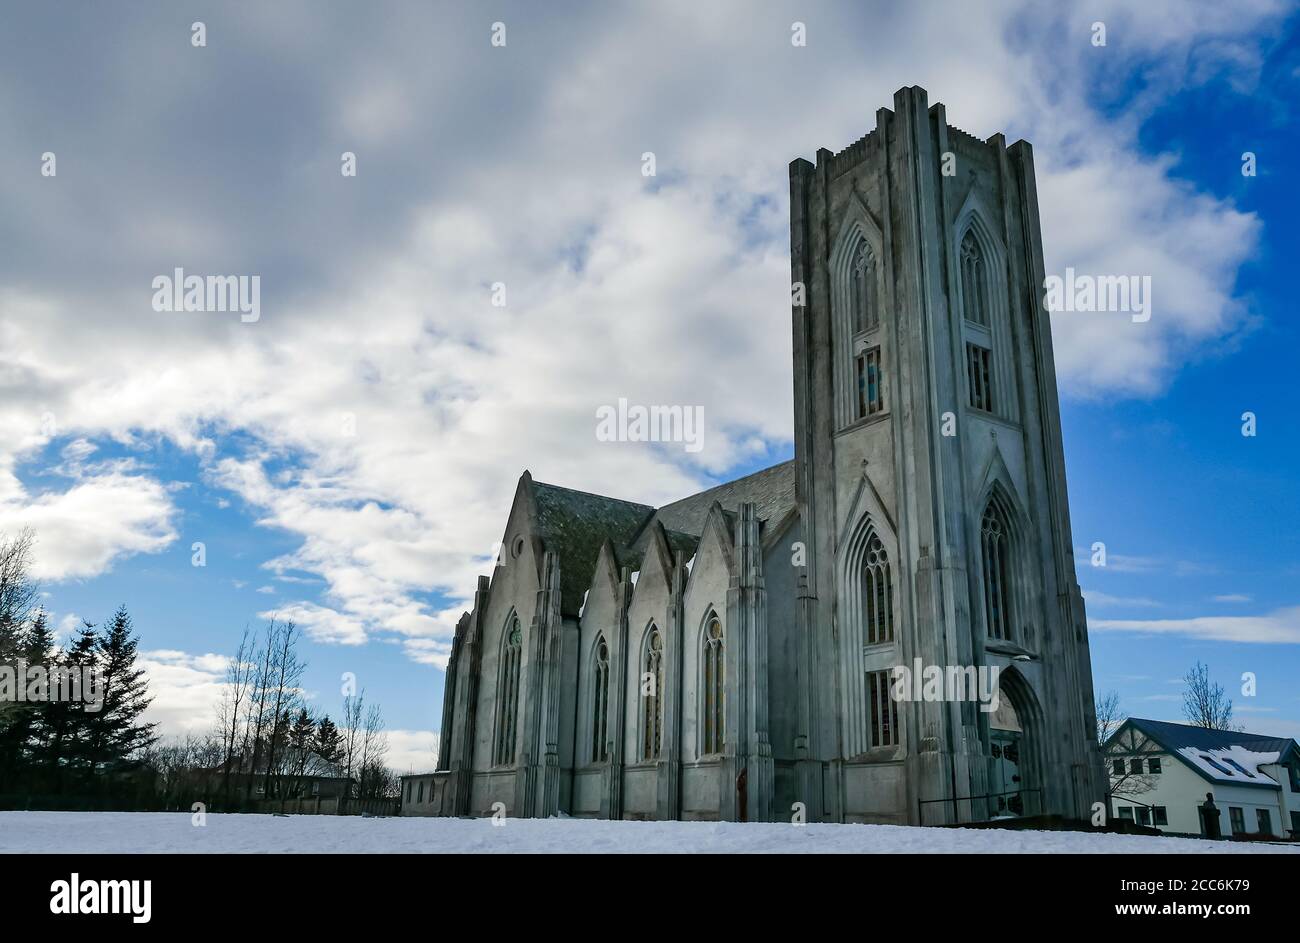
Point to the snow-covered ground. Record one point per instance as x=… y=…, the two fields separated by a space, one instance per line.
x=94 y=832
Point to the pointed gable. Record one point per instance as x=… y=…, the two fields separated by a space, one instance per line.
x=574 y=525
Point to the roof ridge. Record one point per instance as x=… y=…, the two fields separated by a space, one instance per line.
x=1207 y=731
x=592 y=494
x=724 y=484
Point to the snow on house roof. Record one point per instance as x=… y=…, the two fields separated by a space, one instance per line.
x=1221 y=756
x=1235 y=764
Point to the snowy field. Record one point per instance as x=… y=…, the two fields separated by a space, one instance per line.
x=96 y=832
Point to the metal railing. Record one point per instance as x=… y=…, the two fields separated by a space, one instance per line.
x=989 y=811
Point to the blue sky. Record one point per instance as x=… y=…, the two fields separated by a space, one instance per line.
x=126 y=434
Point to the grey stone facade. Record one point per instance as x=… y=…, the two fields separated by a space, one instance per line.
x=924 y=516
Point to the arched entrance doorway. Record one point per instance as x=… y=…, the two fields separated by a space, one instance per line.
x=1014 y=785
x=1006 y=736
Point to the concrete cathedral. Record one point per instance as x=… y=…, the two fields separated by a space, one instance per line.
x=729 y=656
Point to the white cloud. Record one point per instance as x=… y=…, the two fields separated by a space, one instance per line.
x=185 y=689
x=1233 y=597
x=1097 y=598
x=320 y=623
x=384 y=408
x=412 y=751
x=1279 y=627
x=83 y=530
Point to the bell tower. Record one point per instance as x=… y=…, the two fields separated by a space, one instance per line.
x=931 y=484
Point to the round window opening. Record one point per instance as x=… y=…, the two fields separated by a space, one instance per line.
x=517 y=547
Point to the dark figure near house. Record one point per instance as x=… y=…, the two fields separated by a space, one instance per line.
x=1210 y=817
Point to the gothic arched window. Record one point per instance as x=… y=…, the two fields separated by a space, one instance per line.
x=878 y=593
x=508 y=694
x=862 y=289
x=995 y=545
x=974 y=281
x=652 y=685
x=600 y=702
x=714 y=701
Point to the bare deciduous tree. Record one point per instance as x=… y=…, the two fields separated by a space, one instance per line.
x=1204 y=703
x=233 y=706
x=1109 y=717
x=18 y=591
x=286 y=694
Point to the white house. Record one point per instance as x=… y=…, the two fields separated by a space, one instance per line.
x=1160 y=774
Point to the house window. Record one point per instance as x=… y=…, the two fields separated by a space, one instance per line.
x=1295 y=824
x=419 y=793
x=1117 y=767
x=996 y=546
x=1265 y=821
x=1126 y=813
x=974 y=281
x=1153 y=766
x=1238 y=819
x=714 y=706
x=879 y=593
x=1294 y=771
x=408 y=790
x=652 y=681
x=600 y=702
x=1135 y=766
x=1141 y=815
x=871 y=395
x=884 y=711
x=1162 y=815
x=508 y=694
x=979 y=375
x=865 y=300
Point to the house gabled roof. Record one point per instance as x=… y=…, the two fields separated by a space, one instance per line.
x=1218 y=756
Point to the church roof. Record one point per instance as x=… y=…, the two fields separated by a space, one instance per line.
x=771 y=490
x=575 y=524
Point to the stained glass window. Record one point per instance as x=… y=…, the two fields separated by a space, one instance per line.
x=652 y=699
x=974 y=281
x=996 y=548
x=600 y=703
x=714 y=688
x=508 y=696
x=866 y=306
x=878 y=593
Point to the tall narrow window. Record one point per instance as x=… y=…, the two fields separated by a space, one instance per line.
x=878 y=593
x=974 y=281
x=995 y=544
x=871 y=396
x=652 y=686
x=862 y=273
x=980 y=377
x=600 y=702
x=508 y=695
x=714 y=705
x=884 y=711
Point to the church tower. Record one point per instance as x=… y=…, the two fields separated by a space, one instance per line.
x=931 y=487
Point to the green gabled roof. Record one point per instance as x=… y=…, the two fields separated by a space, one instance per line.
x=574 y=524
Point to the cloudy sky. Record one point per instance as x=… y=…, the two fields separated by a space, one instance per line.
x=348 y=458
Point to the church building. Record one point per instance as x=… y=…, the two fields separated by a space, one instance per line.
x=730 y=656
